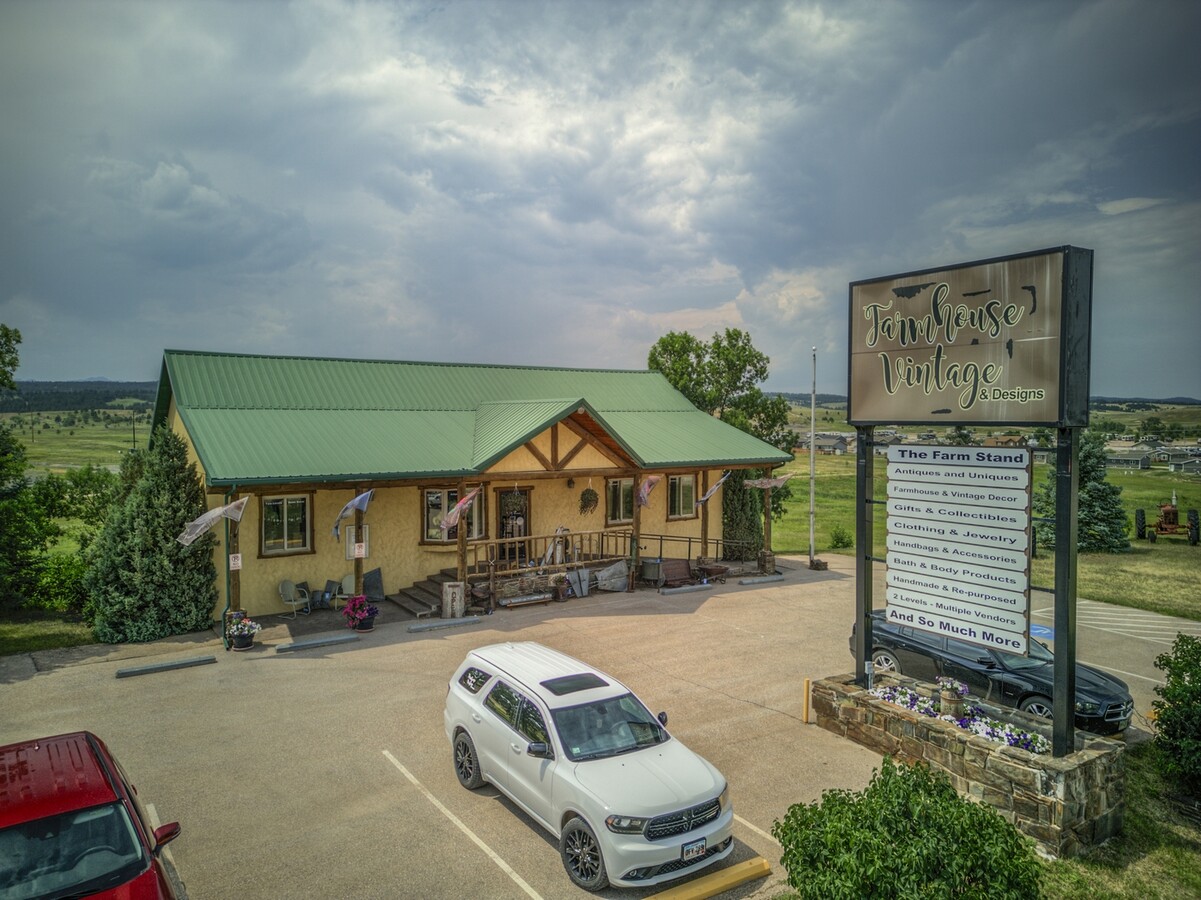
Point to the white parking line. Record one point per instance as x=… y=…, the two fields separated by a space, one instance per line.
x=504 y=866
x=759 y=831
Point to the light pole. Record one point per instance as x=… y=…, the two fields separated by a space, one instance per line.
x=812 y=462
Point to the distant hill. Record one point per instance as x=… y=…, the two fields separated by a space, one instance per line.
x=61 y=396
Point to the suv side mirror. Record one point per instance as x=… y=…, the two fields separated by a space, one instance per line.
x=540 y=749
x=662 y=717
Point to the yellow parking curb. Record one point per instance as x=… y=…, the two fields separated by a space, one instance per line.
x=718 y=882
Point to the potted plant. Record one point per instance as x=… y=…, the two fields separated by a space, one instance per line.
x=589 y=499
x=359 y=614
x=951 y=695
x=241 y=631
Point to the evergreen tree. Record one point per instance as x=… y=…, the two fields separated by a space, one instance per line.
x=742 y=517
x=1101 y=520
x=142 y=583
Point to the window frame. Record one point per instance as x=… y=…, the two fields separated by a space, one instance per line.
x=621 y=484
x=477 y=515
x=674 y=498
x=267 y=499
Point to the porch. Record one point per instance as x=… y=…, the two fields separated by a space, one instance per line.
x=541 y=568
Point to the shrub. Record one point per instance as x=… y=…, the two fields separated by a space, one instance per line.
x=1178 y=713
x=840 y=538
x=60 y=584
x=907 y=834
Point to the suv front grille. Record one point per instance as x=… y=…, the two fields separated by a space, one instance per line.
x=683 y=821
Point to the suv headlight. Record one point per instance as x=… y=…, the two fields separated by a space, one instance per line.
x=1087 y=707
x=626 y=824
x=724 y=799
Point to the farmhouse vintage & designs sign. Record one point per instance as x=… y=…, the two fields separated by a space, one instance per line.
x=984 y=342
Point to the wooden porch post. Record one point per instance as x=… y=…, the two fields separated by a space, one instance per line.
x=767 y=519
x=705 y=514
x=358 y=560
x=461 y=556
x=636 y=532
x=235 y=582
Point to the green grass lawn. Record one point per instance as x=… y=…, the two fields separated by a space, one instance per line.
x=57 y=448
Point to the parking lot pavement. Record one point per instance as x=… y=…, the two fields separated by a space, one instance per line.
x=1124 y=642
x=326 y=772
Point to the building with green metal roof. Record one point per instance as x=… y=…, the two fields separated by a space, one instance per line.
x=303 y=436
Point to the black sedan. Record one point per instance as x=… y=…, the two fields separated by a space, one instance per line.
x=1103 y=703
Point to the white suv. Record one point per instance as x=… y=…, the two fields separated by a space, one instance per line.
x=576 y=750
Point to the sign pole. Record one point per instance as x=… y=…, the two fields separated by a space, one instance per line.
x=1067 y=483
x=864 y=486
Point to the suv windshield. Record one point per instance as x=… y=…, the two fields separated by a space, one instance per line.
x=72 y=854
x=606 y=728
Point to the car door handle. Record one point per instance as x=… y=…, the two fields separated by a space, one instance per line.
x=475 y=717
x=517 y=748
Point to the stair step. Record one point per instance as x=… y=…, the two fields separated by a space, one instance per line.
x=412 y=605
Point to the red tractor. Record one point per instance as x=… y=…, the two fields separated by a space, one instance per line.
x=1168 y=523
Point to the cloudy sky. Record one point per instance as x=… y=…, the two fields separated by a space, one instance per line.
x=562 y=183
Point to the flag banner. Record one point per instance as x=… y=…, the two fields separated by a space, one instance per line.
x=713 y=490
x=644 y=489
x=196 y=528
x=359 y=502
x=452 y=517
x=766 y=482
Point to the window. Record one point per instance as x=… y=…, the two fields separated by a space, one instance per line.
x=504 y=701
x=474 y=679
x=681 y=497
x=285 y=525
x=440 y=501
x=530 y=723
x=619 y=506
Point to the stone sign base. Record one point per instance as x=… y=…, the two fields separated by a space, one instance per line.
x=1067 y=805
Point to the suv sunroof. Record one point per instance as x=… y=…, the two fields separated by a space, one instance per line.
x=569 y=684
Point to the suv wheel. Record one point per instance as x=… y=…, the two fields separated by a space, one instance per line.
x=582 y=856
x=1037 y=706
x=467 y=762
x=885 y=661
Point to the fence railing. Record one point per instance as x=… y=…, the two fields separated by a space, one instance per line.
x=494 y=562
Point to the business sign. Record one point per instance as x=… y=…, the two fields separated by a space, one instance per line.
x=1002 y=341
x=958 y=543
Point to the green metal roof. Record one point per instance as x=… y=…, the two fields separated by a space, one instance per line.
x=270 y=419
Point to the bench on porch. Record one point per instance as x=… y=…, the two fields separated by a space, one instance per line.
x=675 y=573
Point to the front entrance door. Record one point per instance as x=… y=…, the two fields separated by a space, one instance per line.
x=512 y=527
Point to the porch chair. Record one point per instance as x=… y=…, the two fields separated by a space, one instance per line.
x=346 y=591
x=295 y=596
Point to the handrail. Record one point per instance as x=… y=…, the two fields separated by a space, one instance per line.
x=545 y=553
x=567 y=550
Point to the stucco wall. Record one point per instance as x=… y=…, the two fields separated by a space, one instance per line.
x=395 y=523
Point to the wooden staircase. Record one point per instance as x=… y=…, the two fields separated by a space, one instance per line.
x=423 y=598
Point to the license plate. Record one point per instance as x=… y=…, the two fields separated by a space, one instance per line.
x=694 y=850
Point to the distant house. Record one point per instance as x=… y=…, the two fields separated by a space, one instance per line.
x=830 y=444
x=1188 y=466
x=512 y=451
x=1127 y=459
x=1004 y=440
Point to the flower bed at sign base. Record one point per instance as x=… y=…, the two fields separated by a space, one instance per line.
x=973 y=719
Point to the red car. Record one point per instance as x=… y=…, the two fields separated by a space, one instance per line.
x=71 y=824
